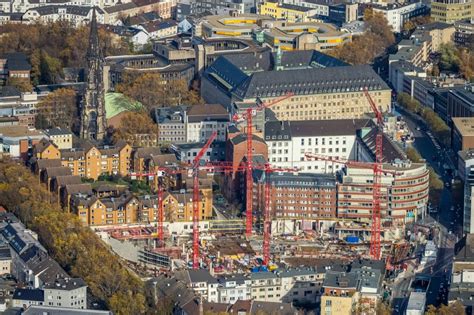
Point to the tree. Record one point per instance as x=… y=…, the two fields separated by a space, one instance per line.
x=363 y=49
x=152 y=90
x=455 y=308
x=75 y=247
x=383 y=309
x=449 y=60
x=413 y=155
x=411 y=24
x=58 y=109
x=133 y=125
x=22 y=84
x=51 y=68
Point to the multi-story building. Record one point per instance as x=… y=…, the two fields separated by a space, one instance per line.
x=298 y=35
x=16 y=141
x=297 y=196
x=185 y=124
x=462 y=277
x=215 y=7
x=463 y=133
x=105 y=211
x=233 y=288
x=186 y=152
x=460 y=102
x=340 y=293
x=450 y=11
x=14 y=65
x=74 y=14
x=168 y=70
x=90 y=161
x=289 y=141
x=289 y=12
x=404 y=196
x=398 y=14
x=203 y=120
x=319 y=93
x=178 y=206
x=62 y=138
x=464 y=32
x=32 y=266
x=20 y=105
x=466 y=173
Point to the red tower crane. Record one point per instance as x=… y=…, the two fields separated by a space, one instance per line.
x=376 y=167
x=160 y=212
x=267 y=218
x=247 y=115
x=375 y=250
x=195 y=169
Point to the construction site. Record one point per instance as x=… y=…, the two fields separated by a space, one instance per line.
x=255 y=238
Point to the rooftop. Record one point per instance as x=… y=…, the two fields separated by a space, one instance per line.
x=278 y=130
x=57 y=132
x=19 y=131
x=465 y=125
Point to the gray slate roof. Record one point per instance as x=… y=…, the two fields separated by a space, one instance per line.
x=310 y=81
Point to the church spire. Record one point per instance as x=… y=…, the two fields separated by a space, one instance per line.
x=93 y=50
x=92 y=106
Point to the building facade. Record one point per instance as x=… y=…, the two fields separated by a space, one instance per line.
x=450 y=11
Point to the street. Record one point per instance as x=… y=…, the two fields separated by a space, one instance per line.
x=447 y=219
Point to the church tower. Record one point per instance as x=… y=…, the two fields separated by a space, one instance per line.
x=92 y=106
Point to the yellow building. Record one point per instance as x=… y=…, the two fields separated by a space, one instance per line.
x=178 y=206
x=89 y=161
x=336 y=305
x=45 y=150
x=305 y=36
x=288 y=12
x=106 y=211
x=450 y=11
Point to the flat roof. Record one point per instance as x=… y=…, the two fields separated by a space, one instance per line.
x=465 y=125
x=19 y=131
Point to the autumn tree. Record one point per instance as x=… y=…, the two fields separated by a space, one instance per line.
x=58 y=109
x=152 y=91
x=75 y=247
x=411 y=24
x=52 y=46
x=22 y=84
x=134 y=126
x=363 y=49
x=455 y=308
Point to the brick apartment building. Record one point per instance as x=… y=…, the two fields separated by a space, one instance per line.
x=297 y=195
x=89 y=161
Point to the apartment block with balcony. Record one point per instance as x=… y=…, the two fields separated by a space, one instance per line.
x=404 y=197
x=96 y=211
x=90 y=161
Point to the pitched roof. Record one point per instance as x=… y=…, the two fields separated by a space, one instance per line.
x=68 y=180
x=310 y=81
x=272 y=308
x=201 y=275
x=17 y=61
x=147 y=152
x=46 y=163
x=58 y=131
x=391 y=151
x=29 y=295
x=164 y=159
x=208 y=112
x=42 y=145
x=243 y=138
x=57 y=171
x=120 y=7
x=78 y=188
x=157 y=25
